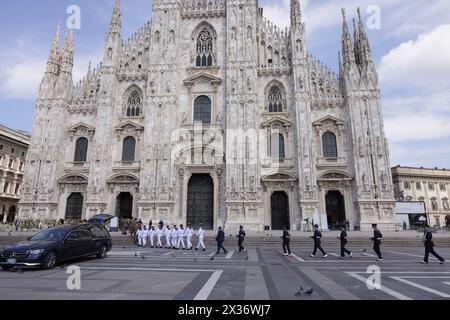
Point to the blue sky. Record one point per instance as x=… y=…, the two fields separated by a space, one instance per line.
x=411 y=50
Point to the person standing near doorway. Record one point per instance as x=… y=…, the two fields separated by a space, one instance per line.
x=159 y=234
x=318 y=242
x=344 y=241
x=201 y=236
x=429 y=246
x=181 y=235
x=175 y=237
x=286 y=242
x=189 y=234
x=377 y=241
x=241 y=238
x=168 y=234
x=152 y=233
x=220 y=240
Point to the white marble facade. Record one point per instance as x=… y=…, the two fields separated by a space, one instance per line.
x=212 y=88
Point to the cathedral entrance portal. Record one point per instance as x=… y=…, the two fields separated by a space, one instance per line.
x=280 y=211
x=335 y=209
x=200 y=201
x=124 y=205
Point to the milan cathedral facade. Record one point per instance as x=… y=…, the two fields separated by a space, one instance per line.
x=212 y=114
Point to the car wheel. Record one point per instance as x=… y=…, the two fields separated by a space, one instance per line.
x=49 y=260
x=5 y=268
x=102 y=252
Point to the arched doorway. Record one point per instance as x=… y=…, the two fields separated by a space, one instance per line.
x=74 y=208
x=335 y=204
x=280 y=211
x=200 y=202
x=11 y=214
x=124 y=205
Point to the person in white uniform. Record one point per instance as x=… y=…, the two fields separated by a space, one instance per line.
x=168 y=234
x=175 y=237
x=201 y=236
x=159 y=235
x=152 y=233
x=181 y=235
x=144 y=236
x=139 y=235
x=189 y=234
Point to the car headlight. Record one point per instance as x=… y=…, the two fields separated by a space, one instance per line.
x=36 y=252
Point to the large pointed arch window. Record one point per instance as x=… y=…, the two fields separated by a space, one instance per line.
x=205 y=48
x=275 y=99
x=329 y=145
x=278 y=150
x=129 y=149
x=134 y=102
x=74 y=208
x=202 y=110
x=81 y=149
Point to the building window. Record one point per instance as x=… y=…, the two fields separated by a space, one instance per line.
x=443 y=187
x=11 y=163
x=275 y=99
x=129 y=149
x=22 y=166
x=434 y=204
x=202 y=109
x=13 y=150
x=74 y=208
x=278 y=147
x=418 y=185
x=1 y=147
x=445 y=205
x=23 y=154
x=329 y=145
x=6 y=187
x=431 y=186
x=81 y=150
x=204 y=48
x=16 y=192
x=134 y=102
x=407 y=185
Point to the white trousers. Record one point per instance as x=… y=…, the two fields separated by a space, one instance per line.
x=189 y=242
x=181 y=241
x=168 y=243
x=175 y=242
x=200 y=243
x=159 y=244
x=142 y=241
x=152 y=241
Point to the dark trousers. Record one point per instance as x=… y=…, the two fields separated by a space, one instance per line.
x=319 y=247
x=286 y=247
x=377 y=249
x=220 y=246
x=240 y=244
x=429 y=250
x=344 y=250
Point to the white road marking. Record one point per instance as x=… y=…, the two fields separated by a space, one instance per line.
x=297 y=257
x=436 y=292
x=406 y=254
x=204 y=293
x=447 y=283
x=391 y=292
x=229 y=255
x=147 y=269
x=410 y=272
x=168 y=253
x=369 y=255
x=212 y=254
x=334 y=254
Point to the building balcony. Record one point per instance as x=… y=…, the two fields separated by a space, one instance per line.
x=126 y=165
x=331 y=162
x=9 y=196
x=287 y=163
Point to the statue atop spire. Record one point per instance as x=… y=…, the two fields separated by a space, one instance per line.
x=116 y=19
x=296 y=12
x=348 y=52
x=54 y=57
x=67 y=54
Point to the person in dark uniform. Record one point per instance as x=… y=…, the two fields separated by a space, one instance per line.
x=377 y=241
x=343 y=238
x=241 y=239
x=317 y=242
x=220 y=240
x=429 y=246
x=286 y=242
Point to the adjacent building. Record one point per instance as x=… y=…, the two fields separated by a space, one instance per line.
x=212 y=114
x=13 y=150
x=431 y=186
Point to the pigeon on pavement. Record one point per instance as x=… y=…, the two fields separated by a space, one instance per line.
x=304 y=293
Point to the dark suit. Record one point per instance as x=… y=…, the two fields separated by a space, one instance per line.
x=343 y=238
x=318 y=243
x=220 y=240
x=429 y=247
x=377 y=242
x=286 y=242
x=241 y=239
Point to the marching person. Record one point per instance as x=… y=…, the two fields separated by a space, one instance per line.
x=343 y=238
x=152 y=233
x=286 y=242
x=201 y=235
x=159 y=234
x=168 y=234
x=220 y=240
x=429 y=246
x=139 y=236
x=181 y=235
x=175 y=237
x=377 y=241
x=241 y=237
x=317 y=242
x=189 y=234
x=144 y=236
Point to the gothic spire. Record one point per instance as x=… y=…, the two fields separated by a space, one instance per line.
x=67 y=53
x=116 y=20
x=53 y=59
x=347 y=45
x=296 y=12
x=364 y=46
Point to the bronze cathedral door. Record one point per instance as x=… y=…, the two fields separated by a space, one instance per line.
x=200 y=202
